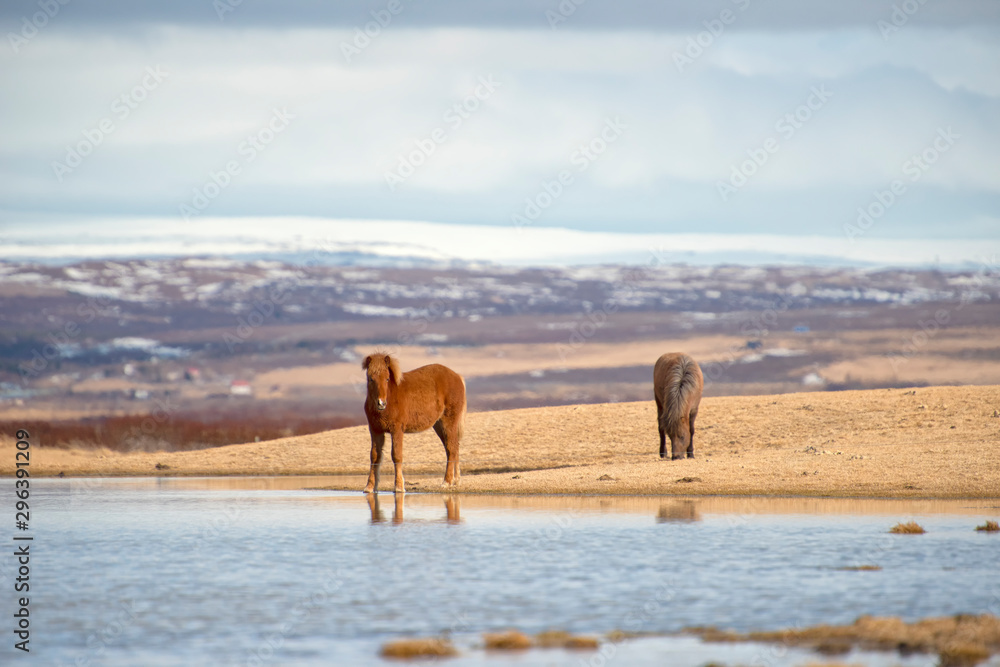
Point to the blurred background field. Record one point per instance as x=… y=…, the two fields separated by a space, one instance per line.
x=188 y=353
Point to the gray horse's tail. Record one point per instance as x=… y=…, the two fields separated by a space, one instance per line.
x=682 y=383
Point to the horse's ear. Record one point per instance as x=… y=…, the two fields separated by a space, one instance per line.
x=394 y=371
x=366 y=362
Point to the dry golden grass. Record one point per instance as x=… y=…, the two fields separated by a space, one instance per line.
x=512 y=640
x=563 y=639
x=552 y=638
x=861 y=568
x=878 y=443
x=989 y=527
x=962 y=655
x=582 y=643
x=960 y=641
x=908 y=528
x=406 y=649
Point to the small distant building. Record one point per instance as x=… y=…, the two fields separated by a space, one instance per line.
x=140 y=394
x=348 y=355
x=128 y=370
x=192 y=374
x=814 y=380
x=240 y=388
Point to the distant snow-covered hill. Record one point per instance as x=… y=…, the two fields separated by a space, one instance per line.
x=335 y=242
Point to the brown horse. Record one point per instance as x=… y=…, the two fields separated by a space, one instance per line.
x=677 y=385
x=411 y=402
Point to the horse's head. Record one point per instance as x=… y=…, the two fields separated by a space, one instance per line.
x=381 y=369
x=681 y=440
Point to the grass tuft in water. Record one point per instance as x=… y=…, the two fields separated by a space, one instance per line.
x=860 y=568
x=512 y=640
x=962 y=655
x=563 y=639
x=582 y=643
x=962 y=640
x=406 y=649
x=552 y=638
x=989 y=527
x=908 y=528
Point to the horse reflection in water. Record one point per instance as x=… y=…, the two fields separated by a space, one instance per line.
x=681 y=510
x=378 y=516
x=452 y=508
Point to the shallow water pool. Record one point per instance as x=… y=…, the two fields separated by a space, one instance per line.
x=266 y=571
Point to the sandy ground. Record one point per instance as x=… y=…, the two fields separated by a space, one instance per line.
x=936 y=442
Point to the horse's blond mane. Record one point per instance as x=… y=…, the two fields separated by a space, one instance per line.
x=379 y=360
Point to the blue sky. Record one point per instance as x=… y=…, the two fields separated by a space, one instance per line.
x=741 y=116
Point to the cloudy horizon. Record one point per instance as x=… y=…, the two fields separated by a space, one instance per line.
x=863 y=121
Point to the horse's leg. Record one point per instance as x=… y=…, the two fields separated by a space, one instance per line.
x=454 y=442
x=450 y=443
x=659 y=425
x=378 y=441
x=691 y=439
x=397 y=459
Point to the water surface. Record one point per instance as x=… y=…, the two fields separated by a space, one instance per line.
x=265 y=571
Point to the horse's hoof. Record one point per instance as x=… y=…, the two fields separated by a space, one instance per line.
x=399 y=489
x=367 y=490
